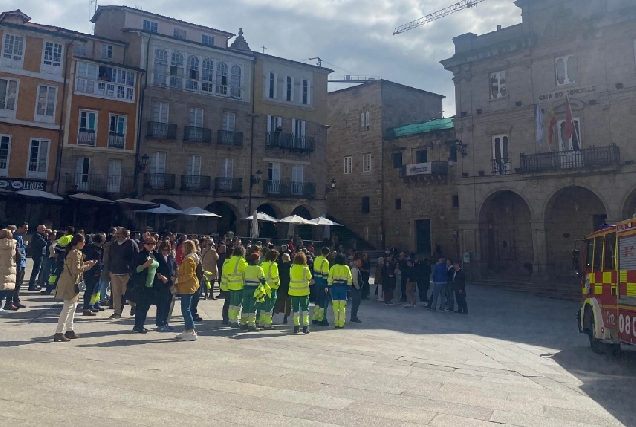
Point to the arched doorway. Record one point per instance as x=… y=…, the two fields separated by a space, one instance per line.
x=505 y=235
x=629 y=207
x=268 y=230
x=227 y=222
x=570 y=214
x=306 y=232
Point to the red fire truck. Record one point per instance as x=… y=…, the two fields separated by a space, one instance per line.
x=608 y=277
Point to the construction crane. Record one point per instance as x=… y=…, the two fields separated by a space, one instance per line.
x=460 y=5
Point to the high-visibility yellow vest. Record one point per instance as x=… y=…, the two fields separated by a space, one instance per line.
x=234 y=272
x=253 y=275
x=223 y=284
x=300 y=276
x=271 y=274
x=340 y=275
x=321 y=270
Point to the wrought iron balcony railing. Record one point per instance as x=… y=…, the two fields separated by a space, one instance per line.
x=159 y=181
x=116 y=140
x=97 y=183
x=501 y=167
x=158 y=130
x=197 y=134
x=195 y=183
x=587 y=158
x=86 y=137
x=228 y=185
x=230 y=138
x=290 y=141
x=305 y=190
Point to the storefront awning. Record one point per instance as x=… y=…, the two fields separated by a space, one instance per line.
x=137 y=203
x=39 y=194
x=200 y=212
x=89 y=198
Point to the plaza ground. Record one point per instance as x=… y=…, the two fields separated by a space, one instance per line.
x=514 y=360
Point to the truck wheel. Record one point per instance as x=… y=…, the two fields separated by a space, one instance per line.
x=598 y=347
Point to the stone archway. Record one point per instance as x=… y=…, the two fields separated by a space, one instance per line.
x=571 y=213
x=305 y=232
x=505 y=235
x=629 y=206
x=268 y=230
x=229 y=216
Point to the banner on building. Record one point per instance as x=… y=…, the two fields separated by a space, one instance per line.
x=418 y=169
x=22 y=184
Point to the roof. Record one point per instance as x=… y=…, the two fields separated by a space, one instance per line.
x=417 y=128
x=100 y=9
x=384 y=81
x=329 y=70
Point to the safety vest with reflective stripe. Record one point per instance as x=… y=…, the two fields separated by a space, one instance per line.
x=340 y=275
x=321 y=270
x=254 y=275
x=234 y=272
x=299 y=276
x=271 y=274
x=223 y=284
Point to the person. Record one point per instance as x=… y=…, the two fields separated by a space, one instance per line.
x=459 y=287
x=68 y=287
x=163 y=295
x=283 y=300
x=423 y=279
x=339 y=280
x=38 y=248
x=270 y=268
x=209 y=261
x=8 y=268
x=60 y=251
x=224 y=291
x=410 y=274
x=378 y=279
x=440 y=276
x=233 y=275
x=196 y=297
x=300 y=280
x=357 y=289
x=402 y=277
x=18 y=236
x=365 y=271
x=187 y=285
x=45 y=269
x=145 y=265
x=253 y=277
x=321 y=273
x=105 y=279
x=450 y=302
x=92 y=252
x=388 y=280
x=121 y=255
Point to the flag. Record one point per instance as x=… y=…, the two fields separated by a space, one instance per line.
x=552 y=122
x=540 y=133
x=569 y=123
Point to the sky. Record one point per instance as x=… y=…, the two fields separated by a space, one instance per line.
x=351 y=36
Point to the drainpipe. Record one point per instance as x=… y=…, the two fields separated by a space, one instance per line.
x=60 y=134
x=253 y=100
x=382 y=198
x=140 y=111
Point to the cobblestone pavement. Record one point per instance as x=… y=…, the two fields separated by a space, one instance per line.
x=514 y=360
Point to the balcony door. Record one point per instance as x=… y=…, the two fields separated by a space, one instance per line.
x=273 y=176
x=196 y=124
x=297 y=180
x=158 y=170
x=160 y=119
x=298 y=131
x=274 y=130
x=114 y=176
x=501 y=161
x=570 y=154
x=193 y=173
x=227 y=172
x=82 y=168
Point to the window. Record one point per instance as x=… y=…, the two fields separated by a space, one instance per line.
x=107 y=51
x=366 y=162
x=176 y=71
x=273 y=176
x=272 y=85
x=227 y=168
x=160 y=72
x=38 y=158
x=273 y=123
x=150 y=26
x=196 y=117
x=566 y=69
x=105 y=81
x=289 y=89
x=82 y=170
x=366 y=205
x=8 y=95
x=501 y=161
x=114 y=176
x=397 y=160
x=610 y=250
x=498 y=85
x=5 y=151
x=52 y=56
x=421 y=156
x=193 y=74
x=79 y=50
x=598 y=253
x=297 y=184
x=305 y=92
x=117 y=132
x=207 y=76
x=207 y=40
x=572 y=144
x=298 y=132
x=179 y=33
x=398 y=204
x=221 y=79
x=348 y=164
x=452 y=153
x=87 y=128
x=229 y=122
x=13 y=50
x=194 y=165
x=235 y=81
x=455 y=201
x=160 y=112
x=47 y=98
x=158 y=163
x=367 y=123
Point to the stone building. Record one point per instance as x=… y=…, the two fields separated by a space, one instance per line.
x=358 y=118
x=524 y=203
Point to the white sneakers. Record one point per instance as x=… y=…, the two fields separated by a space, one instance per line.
x=187 y=336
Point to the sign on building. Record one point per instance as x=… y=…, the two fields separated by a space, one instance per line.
x=418 y=169
x=22 y=184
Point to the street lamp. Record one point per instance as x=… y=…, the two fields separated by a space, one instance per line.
x=256 y=179
x=333 y=186
x=143 y=162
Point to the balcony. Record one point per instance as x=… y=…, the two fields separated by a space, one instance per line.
x=116 y=140
x=158 y=130
x=86 y=137
x=289 y=141
x=305 y=190
x=424 y=169
x=228 y=185
x=96 y=183
x=230 y=138
x=159 y=181
x=195 y=183
x=197 y=134
x=589 y=158
x=501 y=167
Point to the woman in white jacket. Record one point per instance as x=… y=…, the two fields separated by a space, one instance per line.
x=7 y=265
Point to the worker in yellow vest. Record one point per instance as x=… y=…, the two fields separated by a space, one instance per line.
x=233 y=276
x=270 y=268
x=340 y=280
x=321 y=273
x=253 y=277
x=300 y=280
x=225 y=293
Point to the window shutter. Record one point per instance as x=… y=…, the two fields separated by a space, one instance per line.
x=269 y=124
x=302 y=128
x=294 y=127
x=279 y=121
x=275 y=86
x=292 y=89
x=362 y=120
x=366 y=119
x=308 y=93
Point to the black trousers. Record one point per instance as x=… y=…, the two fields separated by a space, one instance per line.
x=226 y=305
x=19 y=278
x=403 y=289
x=37 y=263
x=163 y=298
x=449 y=295
x=195 y=302
x=366 y=289
x=142 y=306
x=462 y=306
x=422 y=288
x=91 y=282
x=356 y=298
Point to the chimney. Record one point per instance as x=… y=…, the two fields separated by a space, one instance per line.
x=498 y=27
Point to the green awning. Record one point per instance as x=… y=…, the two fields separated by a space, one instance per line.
x=415 y=128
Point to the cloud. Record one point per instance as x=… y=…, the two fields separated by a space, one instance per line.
x=351 y=36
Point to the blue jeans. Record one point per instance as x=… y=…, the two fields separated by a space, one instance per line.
x=186 y=302
x=45 y=272
x=356 y=297
x=103 y=288
x=438 y=289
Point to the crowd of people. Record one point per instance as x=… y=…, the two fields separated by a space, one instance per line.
x=255 y=279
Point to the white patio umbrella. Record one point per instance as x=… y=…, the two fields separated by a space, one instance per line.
x=297 y=220
x=90 y=198
x=162 y=210
x=39 y=193
x=260 y=216
x=254 y=231
x=200 y=212
x=324 y=221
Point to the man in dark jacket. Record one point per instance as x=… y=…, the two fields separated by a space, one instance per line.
x=459 y=287
x=121 y=254
x=440 y=277
x=38 y=246
x=423 y=278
